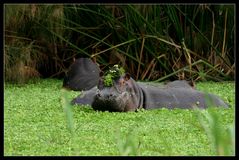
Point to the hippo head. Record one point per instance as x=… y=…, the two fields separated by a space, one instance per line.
x=120 y=96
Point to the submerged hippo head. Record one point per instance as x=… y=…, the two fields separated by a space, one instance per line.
x=121 y=96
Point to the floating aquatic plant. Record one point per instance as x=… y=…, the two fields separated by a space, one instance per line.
x=112 y=74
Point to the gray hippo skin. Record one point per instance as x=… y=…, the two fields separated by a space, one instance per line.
x=128 y=95
x=83 y=75
x=181 y=83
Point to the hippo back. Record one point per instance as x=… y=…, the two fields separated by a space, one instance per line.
x=178 y=97
x=82 y=75
x=181 y=83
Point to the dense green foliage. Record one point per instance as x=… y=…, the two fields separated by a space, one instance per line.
x=149 y=41
x=39 y=121
x=112 y=74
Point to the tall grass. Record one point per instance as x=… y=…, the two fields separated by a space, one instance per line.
x=150 y=41
x=128 y=145
x=222 y=140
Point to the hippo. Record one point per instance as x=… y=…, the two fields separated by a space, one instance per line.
x=83 y=75
x=128 y=95
x=181 y=83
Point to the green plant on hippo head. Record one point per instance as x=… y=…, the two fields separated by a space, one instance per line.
x=112 y=74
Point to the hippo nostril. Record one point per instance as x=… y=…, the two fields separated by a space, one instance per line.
x=108 y=96
x=99 y=95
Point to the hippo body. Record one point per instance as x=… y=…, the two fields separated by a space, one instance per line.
x=86 y=97
x=177 y=97
x=83 y=75
x=180 y=83
x=128 y=95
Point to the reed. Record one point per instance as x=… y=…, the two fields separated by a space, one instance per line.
x=151 y=41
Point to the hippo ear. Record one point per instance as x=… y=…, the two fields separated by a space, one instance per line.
x=101 y=73
x=127 y=76
x=192 y=83
x=100 y=83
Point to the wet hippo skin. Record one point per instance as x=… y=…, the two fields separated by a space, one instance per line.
x=128 y=95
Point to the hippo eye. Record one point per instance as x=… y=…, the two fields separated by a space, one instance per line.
x=97 y=91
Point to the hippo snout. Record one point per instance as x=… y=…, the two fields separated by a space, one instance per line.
x=106 y=96
x=111 y=101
